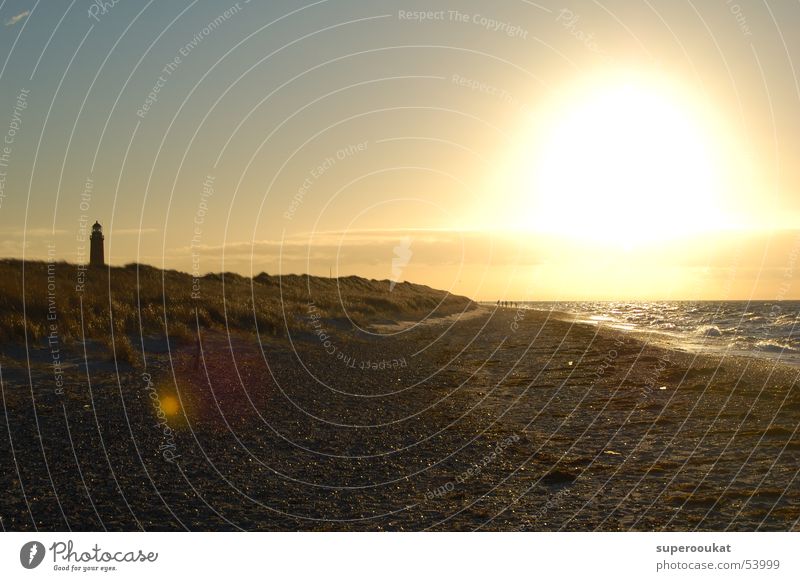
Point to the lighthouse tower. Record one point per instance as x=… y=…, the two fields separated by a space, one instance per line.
x=96 y=255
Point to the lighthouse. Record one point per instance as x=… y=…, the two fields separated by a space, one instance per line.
x=96 y=256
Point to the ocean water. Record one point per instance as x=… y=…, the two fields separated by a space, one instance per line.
x=769 y=329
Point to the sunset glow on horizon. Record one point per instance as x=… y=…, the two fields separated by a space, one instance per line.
x=518 y=171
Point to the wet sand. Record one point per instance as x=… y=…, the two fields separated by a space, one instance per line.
x=505 y=420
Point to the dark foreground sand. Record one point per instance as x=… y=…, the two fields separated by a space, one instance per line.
x=503 y=421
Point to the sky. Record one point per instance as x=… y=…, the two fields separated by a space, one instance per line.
x=519 y=150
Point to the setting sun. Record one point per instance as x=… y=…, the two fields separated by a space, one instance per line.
x=625 y=161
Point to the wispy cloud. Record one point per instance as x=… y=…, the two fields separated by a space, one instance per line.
x=362 y=250
x=13 y=232
x=129 y=231
x=14 y=19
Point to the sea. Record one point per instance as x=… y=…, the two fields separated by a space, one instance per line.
x=766 y=329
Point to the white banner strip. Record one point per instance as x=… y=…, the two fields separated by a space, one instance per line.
x=400 y=556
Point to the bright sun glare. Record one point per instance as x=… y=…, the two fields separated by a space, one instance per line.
x=626 y=162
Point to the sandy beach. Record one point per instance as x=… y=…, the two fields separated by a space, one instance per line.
x=506 y=420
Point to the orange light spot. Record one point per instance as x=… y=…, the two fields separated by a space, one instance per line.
x=170 y=405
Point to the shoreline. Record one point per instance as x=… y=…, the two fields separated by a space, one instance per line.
x=677 y=342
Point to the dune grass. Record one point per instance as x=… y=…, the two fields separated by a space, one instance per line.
x=40 y=298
